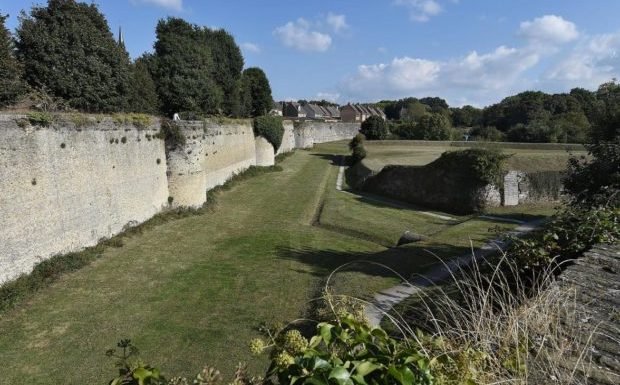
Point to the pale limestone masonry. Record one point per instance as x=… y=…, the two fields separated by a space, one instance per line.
x=511 y=188
x=265 y=156
x=309 y=133
x=212 y=154
x=288 y=139
x=64 y=188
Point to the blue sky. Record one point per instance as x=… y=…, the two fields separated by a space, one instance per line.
x=466 y=51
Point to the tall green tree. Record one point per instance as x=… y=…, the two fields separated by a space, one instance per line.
x=69 y=51
x=255 y=92
x=183 y=69
x=228 y=64
x=142 y=93
x=11 y=85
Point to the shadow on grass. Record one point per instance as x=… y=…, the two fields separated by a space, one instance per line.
x=407 y=261
x=335 y=160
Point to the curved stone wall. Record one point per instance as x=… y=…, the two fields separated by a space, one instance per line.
x=212 y=154
x=288 y=139
x=264 y=152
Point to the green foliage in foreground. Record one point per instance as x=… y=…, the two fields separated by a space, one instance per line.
x=591 y=216
x=346 y=351
x=270 y=128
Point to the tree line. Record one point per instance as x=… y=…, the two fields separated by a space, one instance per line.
x=532 y=116
x=65 y=53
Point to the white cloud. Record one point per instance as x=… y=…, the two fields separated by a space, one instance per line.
x=300 y=36
x=544 y=62
x=337 y=22
x=176 y=5
x=250 y=47
x=549 y=29
x=592 y=61
x=421 y=10
x=473 y=79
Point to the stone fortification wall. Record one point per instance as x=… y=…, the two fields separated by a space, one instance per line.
x=212 y=154
x=64 y=188
x=308 y=133
x=288 y=139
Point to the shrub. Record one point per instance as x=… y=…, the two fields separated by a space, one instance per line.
x=270 y=128
x=487 y=133
x=43 y=119
x=479 y=166
x=357 y=148
x=171 y=133
x=374 y=128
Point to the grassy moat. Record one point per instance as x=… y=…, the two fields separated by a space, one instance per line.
x=193 y=291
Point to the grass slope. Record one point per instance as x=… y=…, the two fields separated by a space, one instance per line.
x=192 y=291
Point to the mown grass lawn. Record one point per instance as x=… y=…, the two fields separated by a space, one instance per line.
x=522 y=157
x=192 y=291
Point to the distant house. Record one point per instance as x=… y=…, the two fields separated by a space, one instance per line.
x=276 y=109
x=293 y=110
x=314 y=111
x=309 y=111
x=357 y=113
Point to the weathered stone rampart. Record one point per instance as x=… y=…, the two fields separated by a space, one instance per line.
x=211 y=155
x=64 y=187
x=309 y=133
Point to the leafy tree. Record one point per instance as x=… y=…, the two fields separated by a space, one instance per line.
x=69 y=51
x=588 y=102
x=11 y=85
x=255 y=92
x=183 y=69
x=571 y=127
x=437 y=105
x=434 y=126
x=228 y=64
x=486 y=133
x=405 y=130
x=374 y=128
x=536 y=131
x=413 y=111
x=466 y=116
x=142 y=93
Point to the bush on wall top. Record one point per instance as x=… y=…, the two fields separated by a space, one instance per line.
x=270 y=128
x=479 y=165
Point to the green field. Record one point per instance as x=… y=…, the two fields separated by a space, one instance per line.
x=524 y=156
x=192 y=291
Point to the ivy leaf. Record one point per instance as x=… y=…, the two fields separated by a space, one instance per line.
x=326 y=332
x=366 y=367
x=341 y=375
x=403 y=375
